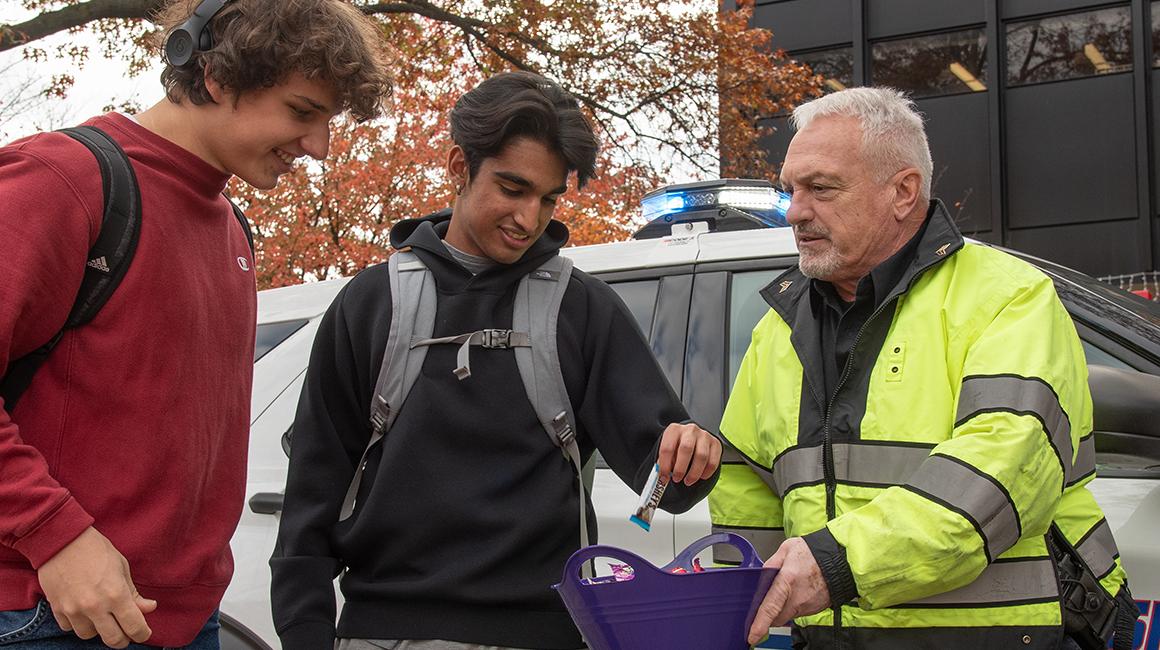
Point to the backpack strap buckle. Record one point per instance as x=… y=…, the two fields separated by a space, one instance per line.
x=380 y=412
x=564 y=433
x=495 y=338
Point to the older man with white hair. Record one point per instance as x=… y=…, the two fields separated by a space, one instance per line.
x=910 y=427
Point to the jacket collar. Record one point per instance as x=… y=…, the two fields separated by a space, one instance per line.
x=938 y=241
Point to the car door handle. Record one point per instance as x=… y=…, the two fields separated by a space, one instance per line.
x=266 y=503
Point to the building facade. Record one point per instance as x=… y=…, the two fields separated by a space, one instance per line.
x=1042 y=114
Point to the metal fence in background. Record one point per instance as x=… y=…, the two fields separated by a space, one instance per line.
x=1147 y=282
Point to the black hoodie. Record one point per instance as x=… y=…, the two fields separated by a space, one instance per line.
x=471 y=510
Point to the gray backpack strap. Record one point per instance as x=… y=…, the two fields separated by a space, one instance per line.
x=537 y=311
x=413 y=305
x=488 y=338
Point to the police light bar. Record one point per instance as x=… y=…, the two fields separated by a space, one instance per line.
x=754 y=203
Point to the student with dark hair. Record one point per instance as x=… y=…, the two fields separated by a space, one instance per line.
x=521 y=103
x=122 y=463
x=466 y=512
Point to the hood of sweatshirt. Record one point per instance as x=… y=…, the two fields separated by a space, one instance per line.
x=424 y=236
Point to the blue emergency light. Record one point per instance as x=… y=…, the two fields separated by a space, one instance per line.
x=726 y=204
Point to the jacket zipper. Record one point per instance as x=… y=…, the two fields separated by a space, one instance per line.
x=827 y=444
x=828 y=470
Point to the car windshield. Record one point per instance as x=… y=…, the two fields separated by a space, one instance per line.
x=269 y=335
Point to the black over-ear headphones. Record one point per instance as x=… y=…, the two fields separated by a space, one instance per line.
x=192 y=35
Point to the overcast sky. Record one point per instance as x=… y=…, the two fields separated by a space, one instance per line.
x=102 y=82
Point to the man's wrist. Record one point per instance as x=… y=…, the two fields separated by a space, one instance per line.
x=831 y=559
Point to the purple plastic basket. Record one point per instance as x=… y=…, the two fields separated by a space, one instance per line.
x=711 y=610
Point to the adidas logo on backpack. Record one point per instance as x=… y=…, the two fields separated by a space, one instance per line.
x=99 y=264
x=113 y=251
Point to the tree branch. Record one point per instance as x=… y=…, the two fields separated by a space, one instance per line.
x=71 y=16
x=429 y=10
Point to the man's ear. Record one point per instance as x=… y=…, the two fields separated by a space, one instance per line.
x=217 y=92
x=907 y=192
x=457 y=167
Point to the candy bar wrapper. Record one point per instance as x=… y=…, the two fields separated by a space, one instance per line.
x=622 y=572
x=697 y=568
x=654 y=489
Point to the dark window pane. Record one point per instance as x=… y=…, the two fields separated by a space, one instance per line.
x=641 y=299
x=1068 y=47
x=938 y=64
x=271 y=335
x=1156 y=34
x=746 y=307
x=836 y=67
x=1097 y=356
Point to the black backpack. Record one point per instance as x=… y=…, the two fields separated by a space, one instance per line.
x=109 y=257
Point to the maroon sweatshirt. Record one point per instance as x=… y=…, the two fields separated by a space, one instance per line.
x=137 y=423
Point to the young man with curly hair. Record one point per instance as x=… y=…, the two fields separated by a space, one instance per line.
x=122 y=466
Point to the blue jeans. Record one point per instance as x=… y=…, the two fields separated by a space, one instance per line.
x=36 y=629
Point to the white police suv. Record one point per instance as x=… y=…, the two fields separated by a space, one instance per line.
x=691 y=277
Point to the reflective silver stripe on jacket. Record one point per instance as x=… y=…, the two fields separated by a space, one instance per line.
x=765 y=541
x=1098 y=549
x=875 y=465
x=730 y=455
x=1023 y=396
x=1001 y=583
x=952 y=483
x=1085 y=459
x=764 y=473
x=797 y=466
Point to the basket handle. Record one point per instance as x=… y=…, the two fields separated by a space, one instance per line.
x=572 y=568
x=749 y=556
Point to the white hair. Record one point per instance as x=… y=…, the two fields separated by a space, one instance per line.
x=893 y=137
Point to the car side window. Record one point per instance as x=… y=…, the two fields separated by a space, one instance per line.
x=641 y=298
x=1096 y=356
x=746 y=307
x=270 y=335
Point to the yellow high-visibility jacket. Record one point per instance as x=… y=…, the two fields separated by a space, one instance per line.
x=959 y=430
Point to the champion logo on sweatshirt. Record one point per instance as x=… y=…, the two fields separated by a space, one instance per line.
x=243 y=263
x=99 y=264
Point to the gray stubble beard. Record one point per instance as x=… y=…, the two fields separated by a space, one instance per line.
x=819 y=267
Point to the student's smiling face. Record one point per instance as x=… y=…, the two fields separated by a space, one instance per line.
x=257 y=135
x=506 y=206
